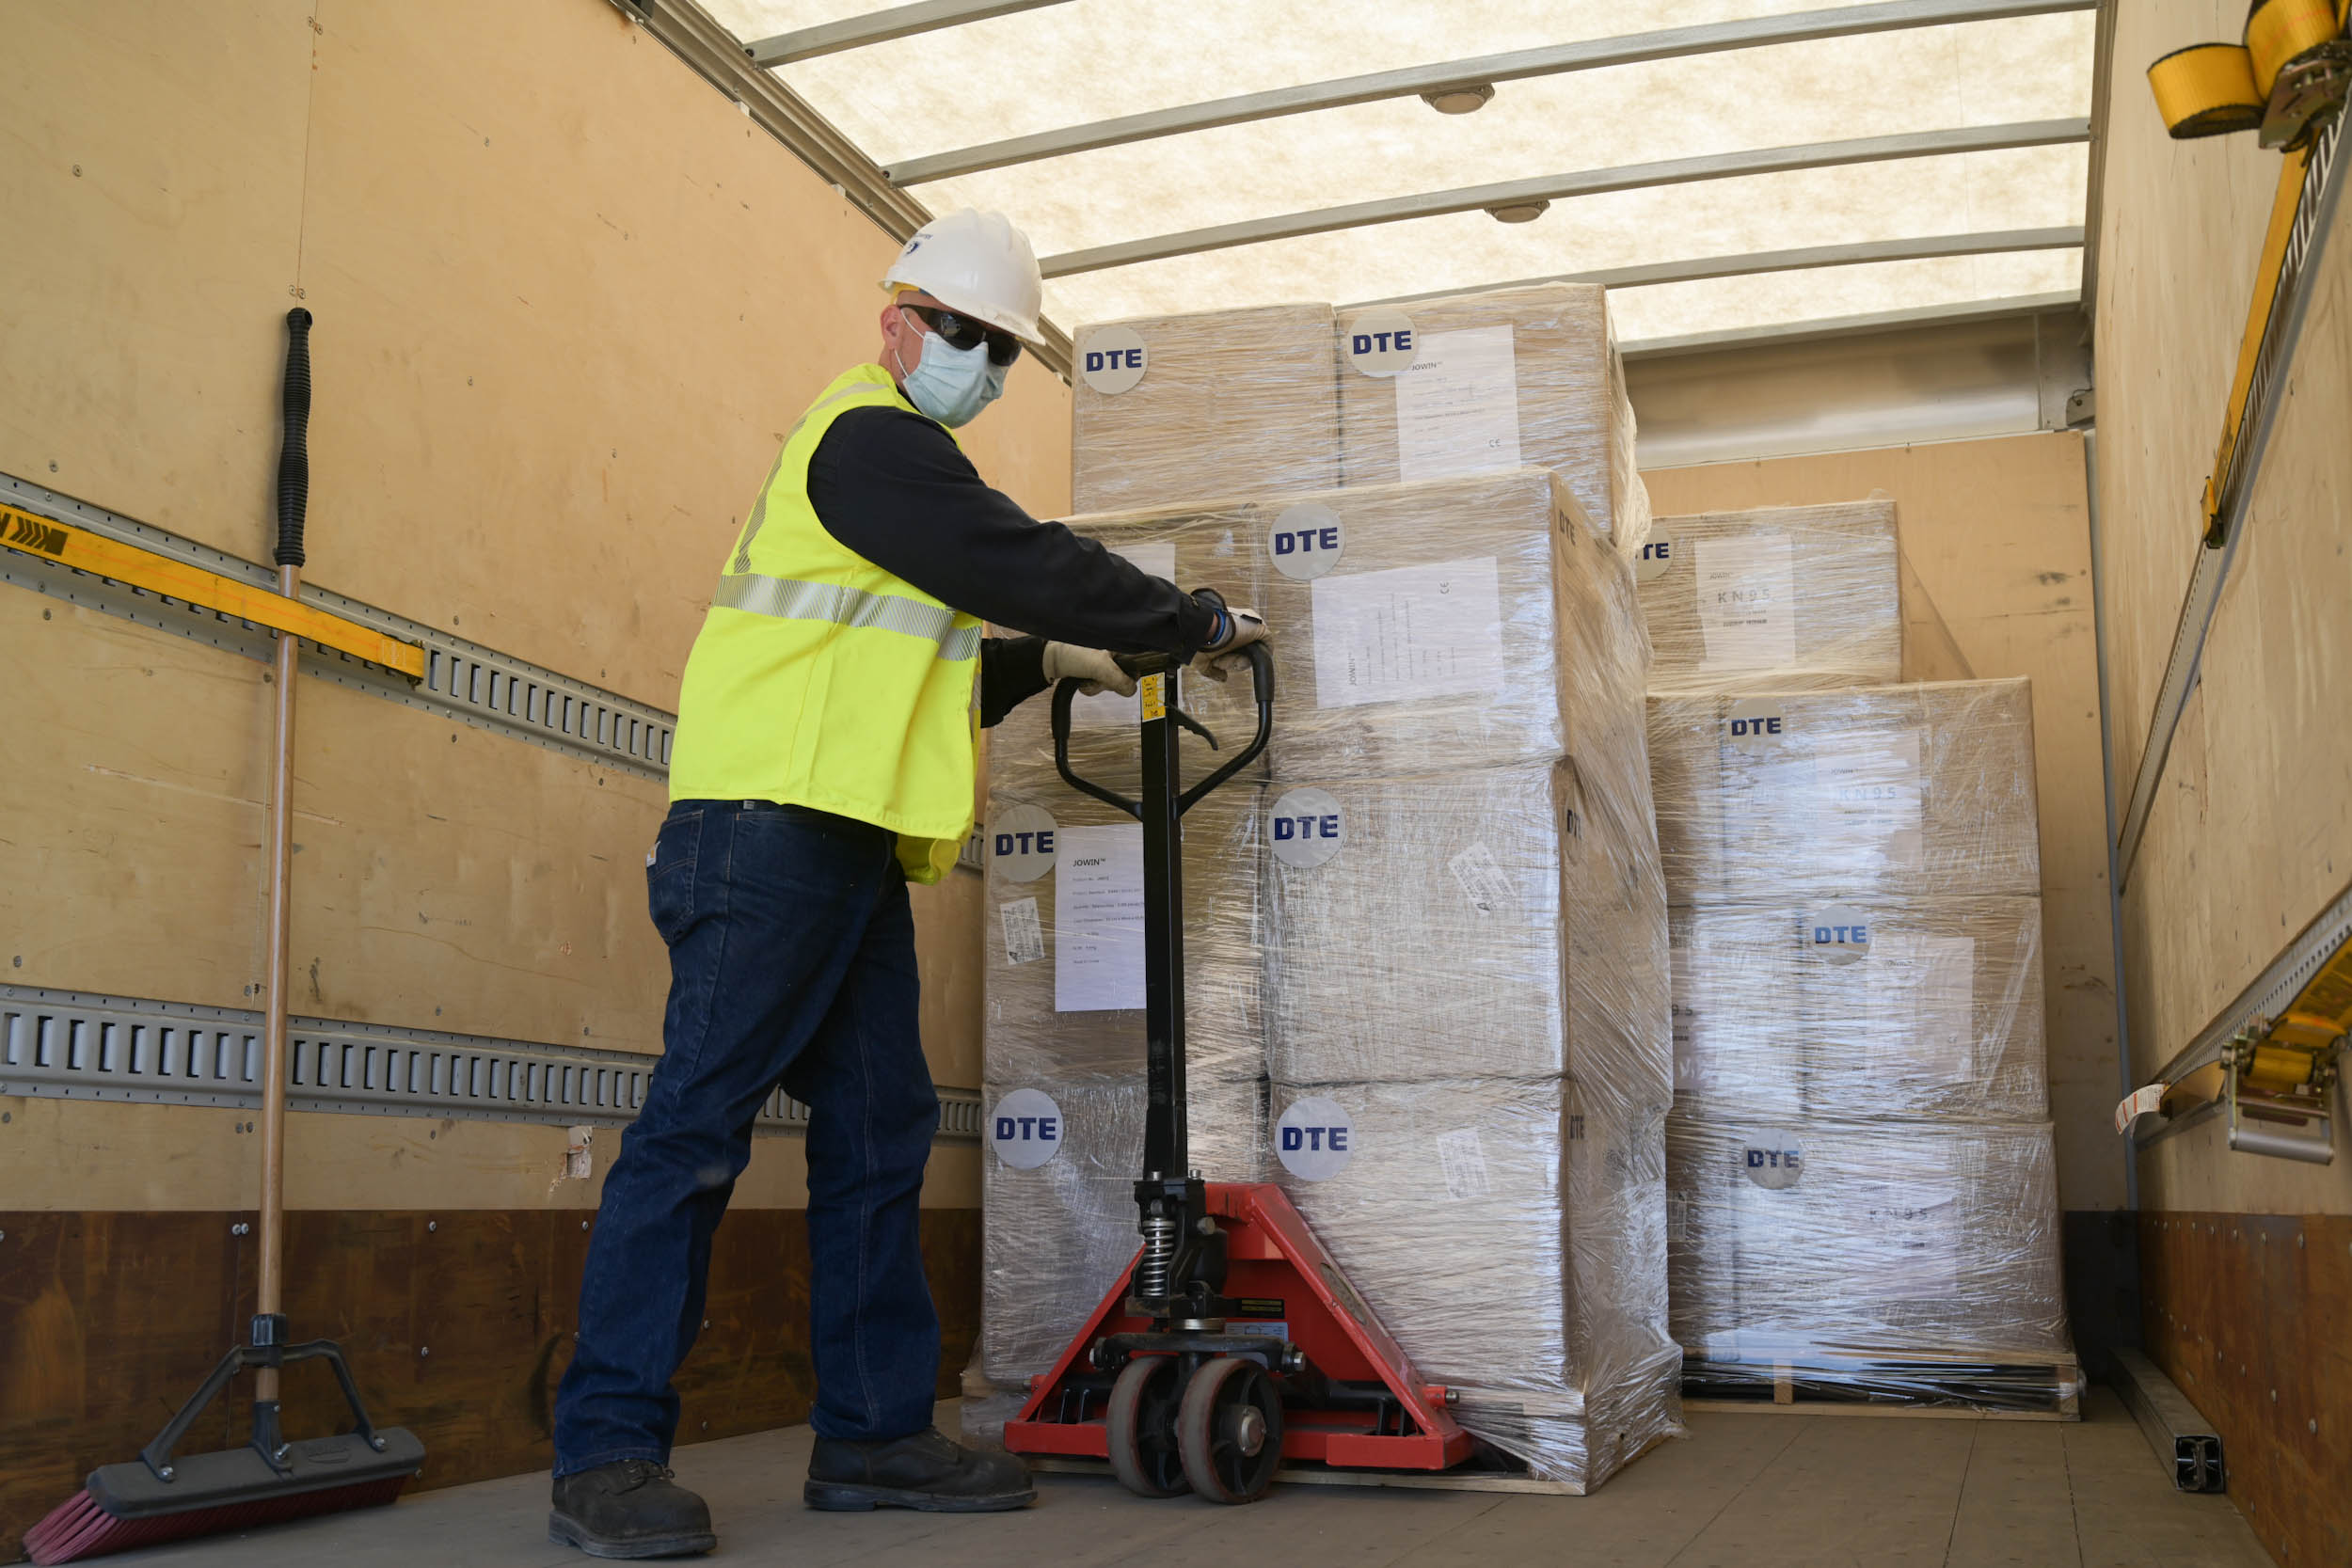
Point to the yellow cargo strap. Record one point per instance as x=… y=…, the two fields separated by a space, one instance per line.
x=2283 y=206
x=2210 y=89
x=2276 y=1073
x=2207 y=89
x=103 y=557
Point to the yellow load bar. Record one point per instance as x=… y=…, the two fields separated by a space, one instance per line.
x=103 y=557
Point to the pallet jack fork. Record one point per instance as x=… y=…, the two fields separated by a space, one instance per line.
x=1232 y=1342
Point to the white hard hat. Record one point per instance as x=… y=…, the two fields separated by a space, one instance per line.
x=975 y=262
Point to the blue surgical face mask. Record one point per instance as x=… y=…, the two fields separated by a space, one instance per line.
x=953 y=384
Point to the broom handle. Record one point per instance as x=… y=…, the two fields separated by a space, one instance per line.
x=294 y=496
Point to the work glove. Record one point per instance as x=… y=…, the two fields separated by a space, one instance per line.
x=1224 y=657
x=1067 y=662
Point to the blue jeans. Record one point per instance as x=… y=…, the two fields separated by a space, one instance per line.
x=791 y=961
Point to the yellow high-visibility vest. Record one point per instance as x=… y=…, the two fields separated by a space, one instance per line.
x=821 y=680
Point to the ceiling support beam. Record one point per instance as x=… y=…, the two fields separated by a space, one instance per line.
x=1986 y=243
x=1554 y=187
x=899 y=22
x=1591 y=54
x=1847 y=327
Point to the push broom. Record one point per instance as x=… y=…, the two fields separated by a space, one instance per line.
x=161 y=1495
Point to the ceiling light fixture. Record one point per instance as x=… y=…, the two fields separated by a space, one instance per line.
x=1519 y=212
x=1469 y=98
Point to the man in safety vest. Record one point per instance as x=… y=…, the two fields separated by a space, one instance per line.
x=824 y=758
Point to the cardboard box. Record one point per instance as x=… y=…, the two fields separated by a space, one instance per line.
x=1170 y=410
x=1781 y=598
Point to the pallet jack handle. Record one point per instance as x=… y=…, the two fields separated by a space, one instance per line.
x=1146 y=665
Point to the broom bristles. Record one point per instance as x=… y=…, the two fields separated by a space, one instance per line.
x=78 y=1528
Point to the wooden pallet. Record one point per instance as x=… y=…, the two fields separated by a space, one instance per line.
x=1316 y=1475
x=1789 y=1398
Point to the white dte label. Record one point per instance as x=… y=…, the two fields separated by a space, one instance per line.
x=1026 y=1128
x=1305 y=541
x=1408 y=632
x=1307 y=828
x=1021 y=843
x=1772 y=1160
x=1315 y=1138
x=1380 y=343
x=1112 y=359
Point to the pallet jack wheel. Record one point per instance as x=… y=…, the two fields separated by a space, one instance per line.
x=1229 y=1430
x=1142 y=1428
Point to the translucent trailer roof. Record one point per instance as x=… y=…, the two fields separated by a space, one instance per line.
x=1729 y=165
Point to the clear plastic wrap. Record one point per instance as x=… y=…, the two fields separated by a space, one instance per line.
x=1487 y=923
x=985 y=1408
x=1496 y=379
x=1063 y=938
x=1060 y=1232
x=1564 y=1437
x=1914 y=790
x=1884 y=1261
x=1451 y=624
x=1166 y=410
x=1510 y=1236
x=1876 y=1007
x=1784 y=598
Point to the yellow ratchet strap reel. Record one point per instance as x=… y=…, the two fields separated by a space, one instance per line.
x=2287 y=69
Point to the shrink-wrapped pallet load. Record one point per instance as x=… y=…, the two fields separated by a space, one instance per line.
x=1442 y=905
x=1480 y=382
x=1168 y=410
x=1782 y=598
x=1862 y=1197
x=1884 y=1260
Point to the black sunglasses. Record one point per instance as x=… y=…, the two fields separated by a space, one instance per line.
x=967 y=333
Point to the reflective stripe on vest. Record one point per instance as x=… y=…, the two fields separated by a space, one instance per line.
x=843 y=605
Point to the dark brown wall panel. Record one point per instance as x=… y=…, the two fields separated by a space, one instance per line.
x=458 y=1326
x=2246 y=1312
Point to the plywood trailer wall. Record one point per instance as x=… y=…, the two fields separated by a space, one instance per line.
x=567 y=301
x=1995 y=577
x=2244 y=1259
x=2250 y=834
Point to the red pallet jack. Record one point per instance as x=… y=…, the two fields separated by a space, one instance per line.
x=1233 y=1342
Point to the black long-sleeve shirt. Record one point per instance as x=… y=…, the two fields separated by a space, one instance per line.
x=893 y=487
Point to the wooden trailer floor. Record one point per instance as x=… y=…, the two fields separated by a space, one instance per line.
x=1742 y=1492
